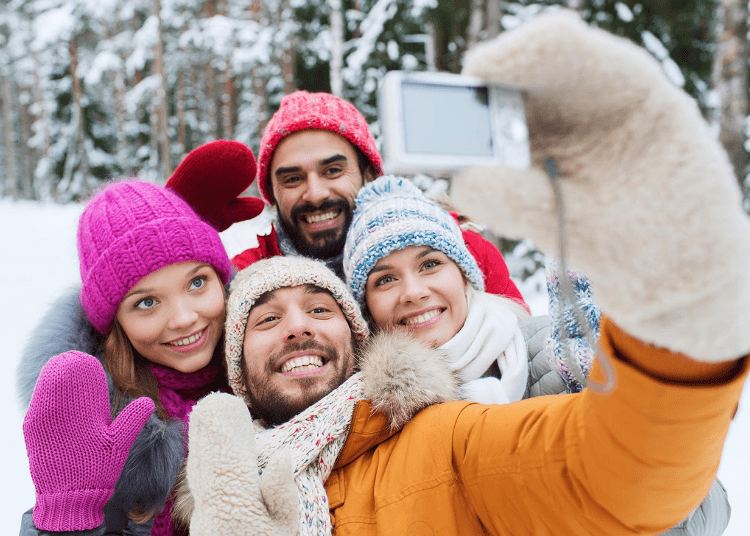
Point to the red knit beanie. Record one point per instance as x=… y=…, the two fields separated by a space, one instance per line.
x=210 y=179
x=302 y=110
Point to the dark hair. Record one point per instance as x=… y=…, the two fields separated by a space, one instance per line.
x=365 y=164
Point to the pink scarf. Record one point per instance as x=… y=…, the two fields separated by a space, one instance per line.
x=179 y=391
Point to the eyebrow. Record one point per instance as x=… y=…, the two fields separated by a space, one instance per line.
x=293 y=169
x=151 y=290
x=383 y=267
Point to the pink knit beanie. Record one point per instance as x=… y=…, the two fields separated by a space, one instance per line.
x=131 y=229
x=302 y=110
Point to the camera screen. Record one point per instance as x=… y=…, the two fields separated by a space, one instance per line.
x=431 y=111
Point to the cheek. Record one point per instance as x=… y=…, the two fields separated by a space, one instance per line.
x=350 y=189
x=285 y=200
x=143 y=331
x=379 y=308
x=215 y=305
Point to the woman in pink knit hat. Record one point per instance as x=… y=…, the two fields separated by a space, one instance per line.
x=153 y=276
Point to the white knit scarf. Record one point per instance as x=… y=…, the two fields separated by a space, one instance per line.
x=314 y=438
x=490 y=333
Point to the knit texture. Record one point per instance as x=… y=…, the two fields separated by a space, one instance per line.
x=76 y=452
x=568 y=347
x=131 y=229
x=314 y=438
x=391 y=214
x=302 y=110
x=271 y=274
x=211 y=179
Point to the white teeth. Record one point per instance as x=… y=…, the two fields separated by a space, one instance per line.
x=303 y=363
x=187 y=340
x=429 y=315
x=317 y=218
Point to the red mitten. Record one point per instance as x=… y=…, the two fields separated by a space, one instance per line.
x=76 y=452
x=210 y=179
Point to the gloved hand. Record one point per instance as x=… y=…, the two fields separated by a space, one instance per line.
x=210 y=179
x=230 y=498
x=653 y=212
x=76 y=452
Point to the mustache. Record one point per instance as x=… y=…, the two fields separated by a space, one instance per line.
x=327 y=352
x=328 y=204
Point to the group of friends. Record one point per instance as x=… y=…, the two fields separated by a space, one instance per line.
x=370 y=367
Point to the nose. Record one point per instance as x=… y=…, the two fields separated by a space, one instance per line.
x=413 y=289
x=317 y=189
x=297 y=325
x=182 y=315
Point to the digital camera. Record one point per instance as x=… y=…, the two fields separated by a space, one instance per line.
x=437 y=123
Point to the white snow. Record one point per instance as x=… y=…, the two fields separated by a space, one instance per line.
x=38 y=247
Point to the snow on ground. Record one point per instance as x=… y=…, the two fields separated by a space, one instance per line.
x=39 y=260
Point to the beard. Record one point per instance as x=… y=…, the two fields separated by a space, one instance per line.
x=276 y=408
x=333 y=239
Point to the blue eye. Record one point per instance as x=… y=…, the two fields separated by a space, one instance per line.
x=431 y=263
x=145 y=303
x=198 y=282
x=384 y=280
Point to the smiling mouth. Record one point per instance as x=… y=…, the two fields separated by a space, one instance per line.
x=421 y=319
x=305 y=363
x=187 y=340
x=321 y=218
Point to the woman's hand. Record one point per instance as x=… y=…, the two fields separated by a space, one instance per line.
x=76 y=452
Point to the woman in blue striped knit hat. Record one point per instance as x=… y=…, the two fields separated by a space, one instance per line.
x=408 y=267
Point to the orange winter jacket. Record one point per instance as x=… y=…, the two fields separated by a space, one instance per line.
x=634 y=461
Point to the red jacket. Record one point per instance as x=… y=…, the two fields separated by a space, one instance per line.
x=496 y=275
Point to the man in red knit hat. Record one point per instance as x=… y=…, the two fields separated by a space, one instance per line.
x=316 y=153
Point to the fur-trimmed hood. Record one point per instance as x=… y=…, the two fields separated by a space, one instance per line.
x=401 y=376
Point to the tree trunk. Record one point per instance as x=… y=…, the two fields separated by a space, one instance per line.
x=288 y=50
x=227 y=102
x=259 y=81
x=433 y=47
x=494 y=13
x=476 y=23
x=180 y=111
x=75 y=161
x=337 y=48
x=27 y=171
x=162 y=108
x=729 y=75
x=10 y=142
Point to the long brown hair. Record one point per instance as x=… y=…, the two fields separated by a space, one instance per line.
x=130 y=372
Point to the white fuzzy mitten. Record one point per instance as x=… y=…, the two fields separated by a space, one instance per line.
x=652 y=209
x=230 y=497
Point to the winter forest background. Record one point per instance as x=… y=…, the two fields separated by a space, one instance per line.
x=96 y=89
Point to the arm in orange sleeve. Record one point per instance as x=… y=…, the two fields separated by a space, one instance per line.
x=635 y=460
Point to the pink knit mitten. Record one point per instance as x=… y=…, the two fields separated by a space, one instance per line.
x=76 y=452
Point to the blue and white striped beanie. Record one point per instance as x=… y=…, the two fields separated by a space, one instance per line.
x=391 y=214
